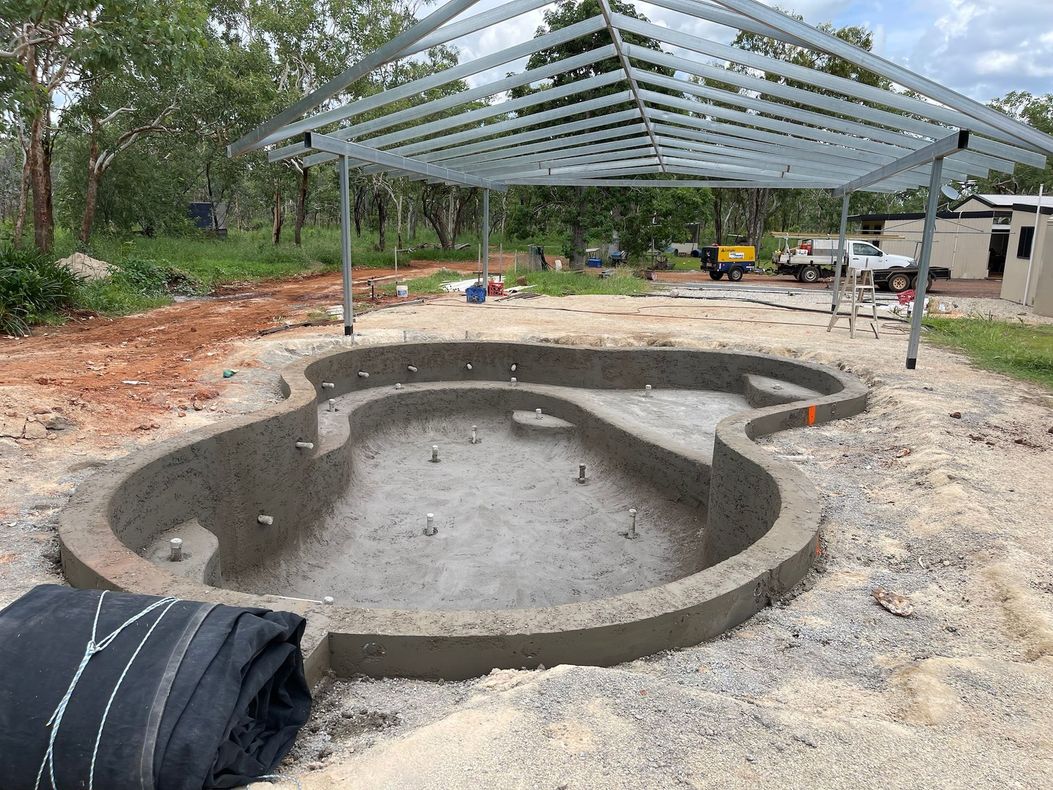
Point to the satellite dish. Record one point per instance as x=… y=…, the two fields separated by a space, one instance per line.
x=950 y=192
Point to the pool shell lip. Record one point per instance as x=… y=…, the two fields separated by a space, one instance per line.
x=459 y=643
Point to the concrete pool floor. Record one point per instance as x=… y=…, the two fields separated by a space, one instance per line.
x=514 y=528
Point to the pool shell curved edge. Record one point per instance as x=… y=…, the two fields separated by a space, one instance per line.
x=760 y=539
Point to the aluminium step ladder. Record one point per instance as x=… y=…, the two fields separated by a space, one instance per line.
x=858 y=294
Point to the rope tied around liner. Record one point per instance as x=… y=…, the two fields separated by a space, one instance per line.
x=94 y=646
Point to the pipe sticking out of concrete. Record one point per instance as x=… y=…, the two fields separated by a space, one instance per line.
x=631 y=534
x=175 y=549
x=468 y=366
x=514 y=381
x=537 y=414
x=329 y=600
x=435 y=453
x=581 y=473
x=265 y=520
x=475 y=435
x=328 y=385
x=647 y=390
x=398 y=386
x=514 y=366
x=411 y=368
x=429 y=528
x=332 y=404
x=363 y=375
x=305 y=445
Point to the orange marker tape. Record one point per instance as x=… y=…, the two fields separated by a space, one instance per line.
x=811 y=415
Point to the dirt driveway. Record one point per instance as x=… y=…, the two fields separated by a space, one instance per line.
x=940 y=491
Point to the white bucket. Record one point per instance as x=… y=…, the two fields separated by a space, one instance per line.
x=401 y=290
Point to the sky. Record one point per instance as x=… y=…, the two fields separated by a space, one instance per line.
x=980 y=48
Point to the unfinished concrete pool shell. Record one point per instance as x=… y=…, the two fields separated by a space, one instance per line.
x=324 y=495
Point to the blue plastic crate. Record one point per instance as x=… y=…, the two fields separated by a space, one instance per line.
x=476 y=294
x=595 y=263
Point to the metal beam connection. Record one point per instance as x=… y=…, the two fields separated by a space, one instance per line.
x=663 y=114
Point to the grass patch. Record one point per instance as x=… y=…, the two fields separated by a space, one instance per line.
x=622 y=283
x=248 y=256
x=1023 y=351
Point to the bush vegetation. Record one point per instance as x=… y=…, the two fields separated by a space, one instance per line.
x=33 y=289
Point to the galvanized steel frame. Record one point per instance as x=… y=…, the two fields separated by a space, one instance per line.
x=762 y=132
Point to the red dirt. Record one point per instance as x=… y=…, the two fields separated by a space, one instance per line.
x=175 y=352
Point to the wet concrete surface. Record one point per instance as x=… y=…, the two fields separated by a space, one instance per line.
x=514 y=528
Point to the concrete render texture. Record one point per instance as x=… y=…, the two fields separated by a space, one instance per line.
x=210 y=486
x=515 y=528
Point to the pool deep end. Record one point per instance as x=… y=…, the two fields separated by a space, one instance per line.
x=211 y=485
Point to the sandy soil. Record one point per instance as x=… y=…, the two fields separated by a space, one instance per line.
x=989 y=289
x=940 y=491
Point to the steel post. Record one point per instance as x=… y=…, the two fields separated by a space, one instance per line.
x=345 y=244
x=923 y=263
x=484 y=238
x=840 y=262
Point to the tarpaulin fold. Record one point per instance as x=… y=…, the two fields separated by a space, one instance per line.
x=213 y=698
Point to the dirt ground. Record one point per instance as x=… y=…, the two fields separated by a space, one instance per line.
x=940 y=491
x=986 y=288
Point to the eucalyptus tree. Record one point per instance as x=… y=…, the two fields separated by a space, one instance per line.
x=58 y=52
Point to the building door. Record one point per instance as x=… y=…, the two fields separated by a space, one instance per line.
x=997 y=252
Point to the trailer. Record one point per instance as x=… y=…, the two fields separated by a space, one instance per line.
x=814 y=259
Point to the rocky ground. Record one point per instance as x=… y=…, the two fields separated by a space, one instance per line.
x=940 y=491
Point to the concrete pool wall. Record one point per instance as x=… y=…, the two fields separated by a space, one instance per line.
x=211 y=485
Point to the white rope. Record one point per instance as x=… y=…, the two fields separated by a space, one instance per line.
x=95 y=646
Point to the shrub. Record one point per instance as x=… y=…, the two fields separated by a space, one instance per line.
x=153 y=278
x=32 y=287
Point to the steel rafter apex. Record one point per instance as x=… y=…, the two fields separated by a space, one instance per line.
x=619 y=46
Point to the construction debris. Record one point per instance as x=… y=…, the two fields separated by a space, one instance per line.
x=894 y=602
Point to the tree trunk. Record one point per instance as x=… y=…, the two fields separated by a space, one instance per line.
x=23 y=200
x=211 y=197
x=411 y=222
x=360 y=199
x=577 y=232
x=382 y=219
x=301 y=206
x=431 y=201
x=718 y=215
x=276 y=227
x=759 y=203
x=40 y=169
x=92 y=191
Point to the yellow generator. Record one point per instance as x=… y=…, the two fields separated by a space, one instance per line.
x=734 y=261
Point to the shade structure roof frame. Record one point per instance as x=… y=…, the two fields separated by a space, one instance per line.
x=630 y=124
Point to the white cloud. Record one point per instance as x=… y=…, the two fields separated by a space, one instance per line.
x=986 y=49
x=977 y=47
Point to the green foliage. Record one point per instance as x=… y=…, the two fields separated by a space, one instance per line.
x=1023 y=351
x=32 y=288
x=136 y=284
x=1036 y=111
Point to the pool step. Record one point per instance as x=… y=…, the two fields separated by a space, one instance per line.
x=761 y=391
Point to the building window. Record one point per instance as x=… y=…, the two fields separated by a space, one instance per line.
x=1023 y=245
